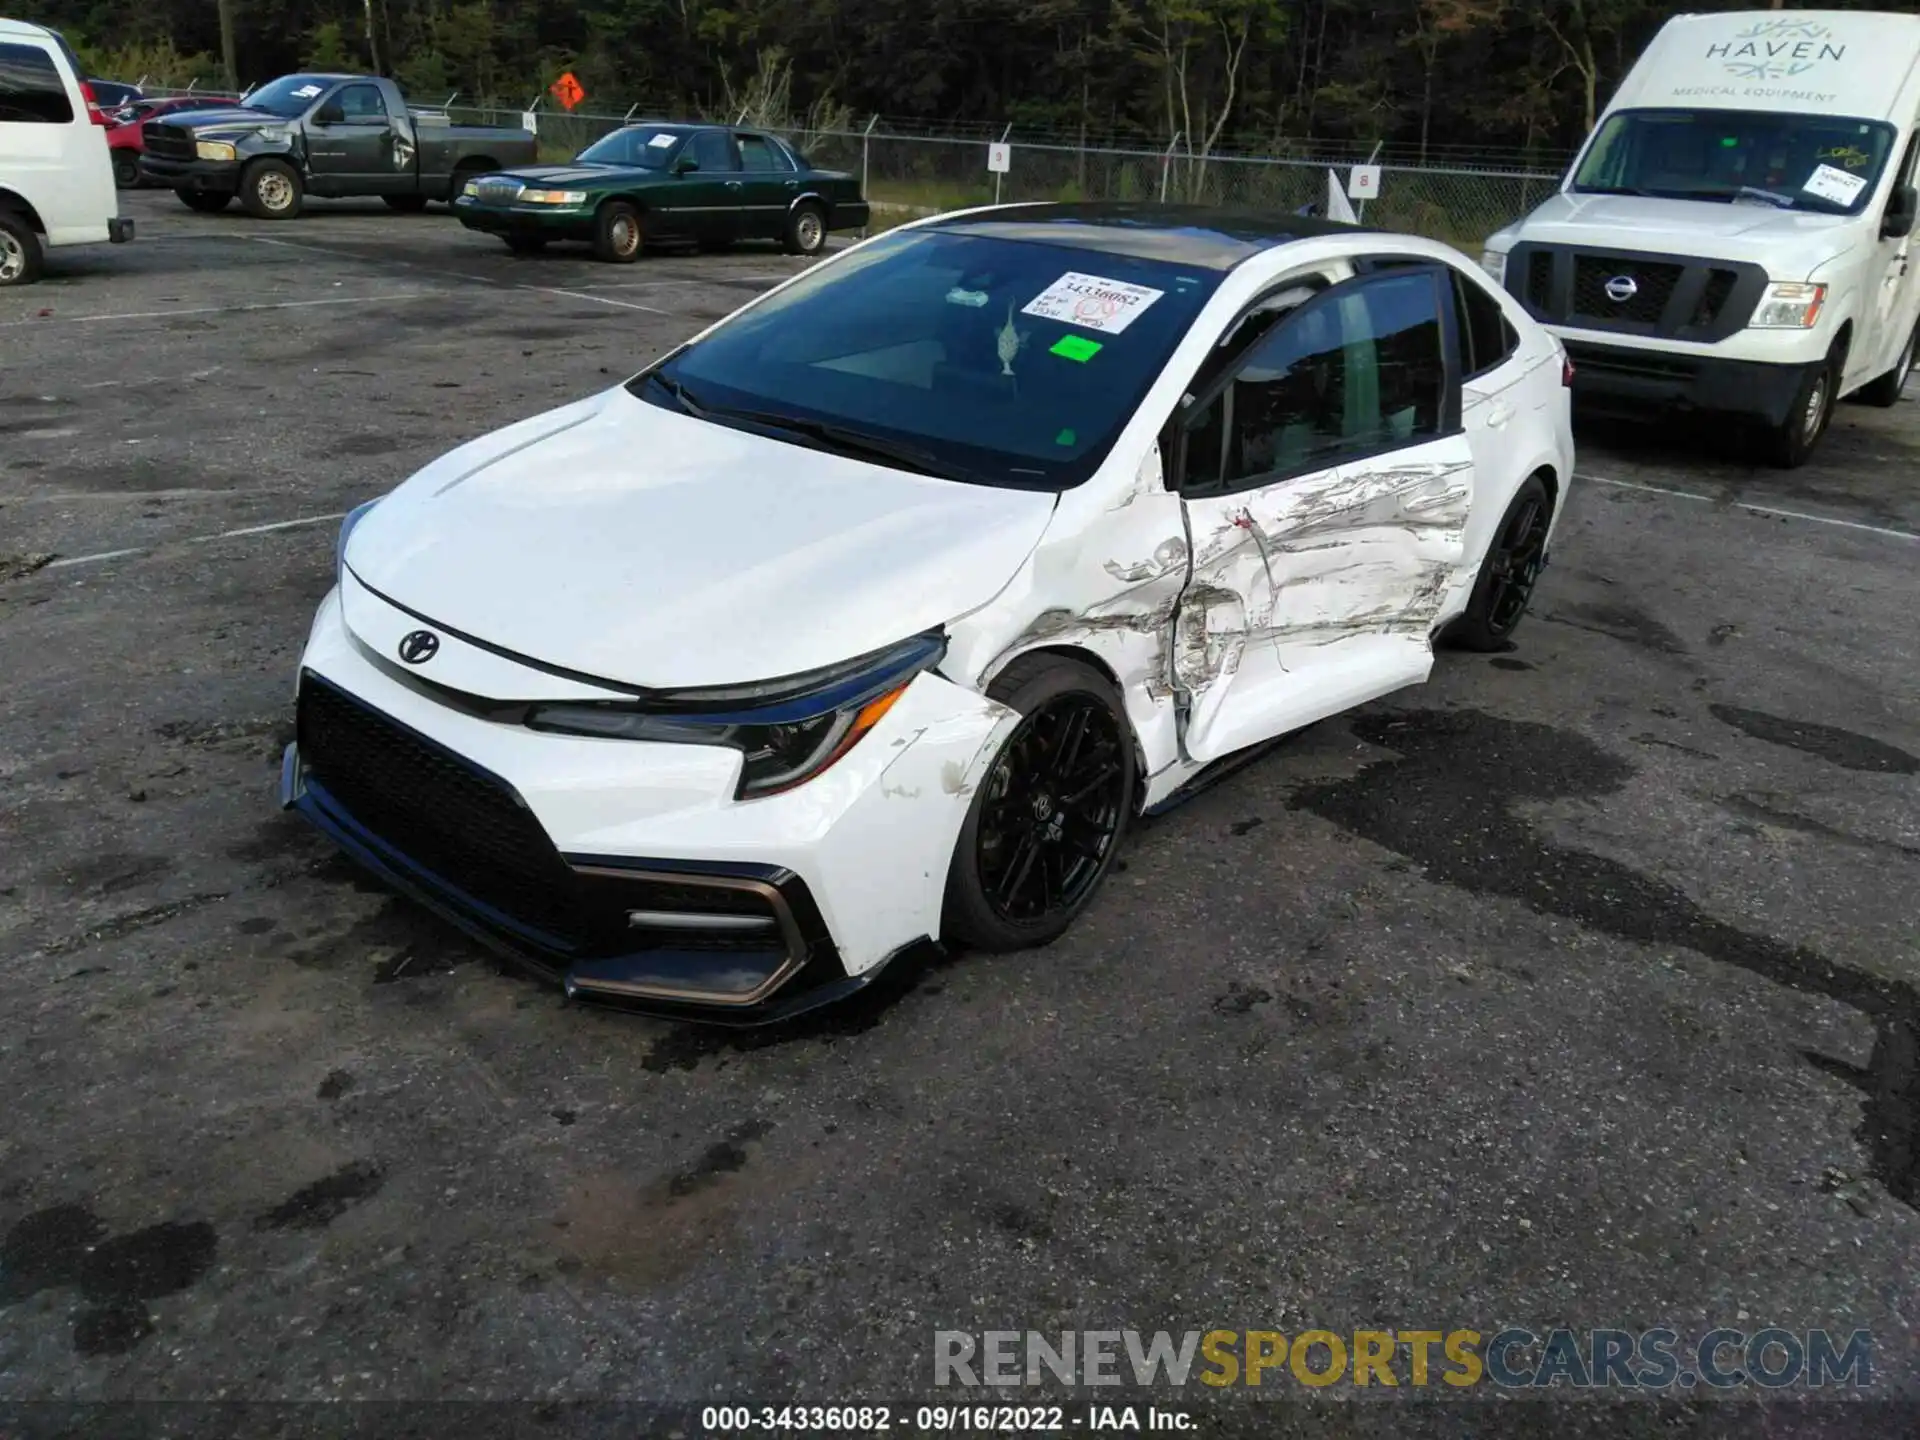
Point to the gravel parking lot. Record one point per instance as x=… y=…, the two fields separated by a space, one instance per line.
x=1580 y=987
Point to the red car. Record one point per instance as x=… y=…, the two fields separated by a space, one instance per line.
x=125 y=141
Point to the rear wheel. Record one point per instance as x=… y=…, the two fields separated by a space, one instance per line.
x=207 y=202
x=406 y=204
x=806 y=230
x=1504 y=587
x=1888 y=389
x=1050 y=812
x=271 y=190
x=20 y=254
x=1790 y=444
x=126 y=169
x=617 y=233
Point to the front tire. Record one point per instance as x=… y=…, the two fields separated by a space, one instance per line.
x=1504 y=587
x=21 y=257
x=1050 y=812
x=1789 y=445
x=1887 y=390
x=126 y=169
x=205 y=202
x=617 y=233
x=806 y=230
x=406 y=204
x=271 y=190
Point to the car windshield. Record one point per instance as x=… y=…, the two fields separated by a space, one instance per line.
x=289 y=96
x=992 y=360
x=646 y=146
x=1820 y=163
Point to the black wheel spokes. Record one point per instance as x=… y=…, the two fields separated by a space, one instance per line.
x=1516 y=566
x=1054 y=807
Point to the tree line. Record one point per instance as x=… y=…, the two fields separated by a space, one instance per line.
x=1420 y=76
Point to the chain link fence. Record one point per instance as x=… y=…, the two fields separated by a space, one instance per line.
x=908 y=174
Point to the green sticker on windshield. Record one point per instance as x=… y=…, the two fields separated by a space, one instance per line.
x=1066 y=437
x=1076 y=347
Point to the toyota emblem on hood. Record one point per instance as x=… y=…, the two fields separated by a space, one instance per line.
x=419 y=646
x=1622 y=288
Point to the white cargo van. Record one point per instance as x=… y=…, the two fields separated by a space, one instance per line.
x=1736 y=237
x=56 y=177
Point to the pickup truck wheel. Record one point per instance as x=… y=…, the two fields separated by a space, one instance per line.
x=126 y=169
x=207 y=202
x=406 y=204
x=806 y=230
x=20 y=256
x=1887 y=390
x=1789 y=445
x=617 y=233
x=271 y=190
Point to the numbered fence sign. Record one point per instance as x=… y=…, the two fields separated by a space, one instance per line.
x=1363 y=183
x=999 y=158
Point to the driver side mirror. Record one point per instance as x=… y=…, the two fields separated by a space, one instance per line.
x=1903 y=210
x=685 y=165
x=330 y=114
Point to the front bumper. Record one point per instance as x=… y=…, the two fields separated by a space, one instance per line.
x=549 y=222
x=221 y=176
x=624 y=870
x=1622 y=380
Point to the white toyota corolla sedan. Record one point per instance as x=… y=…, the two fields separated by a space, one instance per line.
x=873 y=614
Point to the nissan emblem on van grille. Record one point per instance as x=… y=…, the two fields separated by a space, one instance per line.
x=1622 y=288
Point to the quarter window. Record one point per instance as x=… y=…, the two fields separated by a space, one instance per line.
x=31 y=91
x=1356 y=373
x=1487 y=337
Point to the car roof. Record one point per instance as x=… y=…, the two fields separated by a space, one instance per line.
x=25 y=29
x=1192 y=235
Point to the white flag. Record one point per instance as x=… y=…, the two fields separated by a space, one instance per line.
x=1337 y=206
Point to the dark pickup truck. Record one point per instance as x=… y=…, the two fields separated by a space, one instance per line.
x=326 y=135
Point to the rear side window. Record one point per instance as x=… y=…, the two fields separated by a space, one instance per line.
x=1487 y=337
x=31 y=91
x=757 y=153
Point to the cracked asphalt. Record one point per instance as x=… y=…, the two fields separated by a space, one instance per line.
x=1579 y=987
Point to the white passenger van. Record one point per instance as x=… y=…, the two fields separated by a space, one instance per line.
x=56 y=177
x=1736 y=237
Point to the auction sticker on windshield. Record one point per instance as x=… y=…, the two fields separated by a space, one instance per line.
x=660 y=142
x=1836 y=185
x=1092 y=302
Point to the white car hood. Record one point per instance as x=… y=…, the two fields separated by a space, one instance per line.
x=626 y=542
x=1790 y=244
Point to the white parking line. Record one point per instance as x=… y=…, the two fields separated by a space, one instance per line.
x=1750 y=507
x=456 y=274
x=219 y=309
x=244 y=530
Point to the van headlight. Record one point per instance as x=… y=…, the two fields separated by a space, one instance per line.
x=787 y=731
x=214 y=150
x=1789 y=306
x=1494 y=262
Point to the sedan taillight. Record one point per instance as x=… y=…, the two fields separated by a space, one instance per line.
x=1566 y=371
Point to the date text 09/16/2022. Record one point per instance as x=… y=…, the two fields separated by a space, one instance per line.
x=942 y=1419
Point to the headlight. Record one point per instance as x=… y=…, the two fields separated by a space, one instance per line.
x=787 y=731
x=1789 y=306
x=213 y=150
x=472 y=187
x=1494 y=262
x=354 y=517
x=554 y=197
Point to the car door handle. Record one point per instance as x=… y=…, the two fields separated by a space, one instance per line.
x=1498 y=414
x=733 y=184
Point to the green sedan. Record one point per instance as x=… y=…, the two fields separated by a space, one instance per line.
x=712 y=184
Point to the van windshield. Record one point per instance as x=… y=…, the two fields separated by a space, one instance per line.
x=1826 y=164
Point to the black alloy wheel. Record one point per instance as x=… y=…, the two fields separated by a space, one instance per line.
x=1504 y=588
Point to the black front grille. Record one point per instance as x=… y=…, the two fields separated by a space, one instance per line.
x=450 y=818
x=1652 y=288
x=1714 y=298
x=1539 y=279
x=167 y=142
